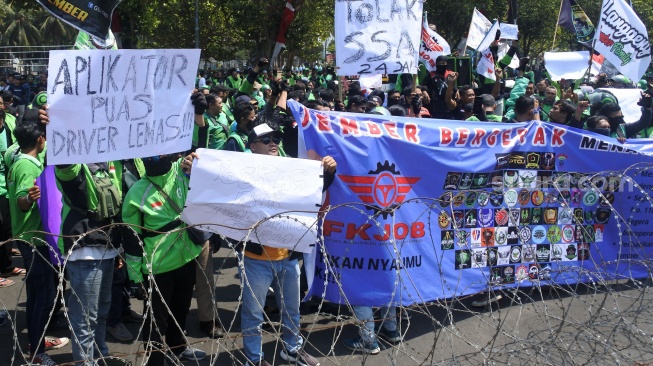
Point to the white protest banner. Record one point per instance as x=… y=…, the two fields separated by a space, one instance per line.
x=628 y=99
x=566 y=65
x=377 y=36
x=119 y=104
x=485 y=65
x=509 y=31
x=477 y=29
x=278 y=197
x=622 y=38
x=432 y=46
x=371 y=81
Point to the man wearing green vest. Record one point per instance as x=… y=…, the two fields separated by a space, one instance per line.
x=216 y=126
x=245 y=115
x=233 y=80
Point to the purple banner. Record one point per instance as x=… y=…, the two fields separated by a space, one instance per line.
x=50 y=207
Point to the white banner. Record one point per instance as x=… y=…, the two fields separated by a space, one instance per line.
x=432 y=46
x=623 y=40
x=628 y=99
x=509 y=31
x=371 y=81
x=377 y=36
x=119 y=104
x=566 y=65
x=486 y=65
x=278 y=197
x=477 y=29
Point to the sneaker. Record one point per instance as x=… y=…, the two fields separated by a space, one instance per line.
x=357 y=344
x=120 y=332
x=259 y=363
x=391 y=336
x=300 y=358
x=43 y=359
x=55 y=343
x=192 y=354
x=132 y=317
x=212 y=329
x=486 y=299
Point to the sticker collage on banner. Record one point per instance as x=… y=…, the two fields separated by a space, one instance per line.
x=523 y=216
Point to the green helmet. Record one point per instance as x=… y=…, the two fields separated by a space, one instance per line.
x=40 y=100
x=621 y=80
x=642 y=84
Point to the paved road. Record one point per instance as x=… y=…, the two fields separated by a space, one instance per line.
x=555 y=326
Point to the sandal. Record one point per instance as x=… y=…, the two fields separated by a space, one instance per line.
x=5 y=282
x=16 y=272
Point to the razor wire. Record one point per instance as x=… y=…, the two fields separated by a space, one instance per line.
x=605 y=320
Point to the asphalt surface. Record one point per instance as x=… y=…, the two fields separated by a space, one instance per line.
x=590 y=325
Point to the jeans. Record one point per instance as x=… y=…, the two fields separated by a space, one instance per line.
x=259 y=275
x=88 y=306
x=40 y=293
x=171 y=298
x=120 y=303
x=366 y=314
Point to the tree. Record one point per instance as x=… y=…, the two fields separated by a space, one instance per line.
x=55 y=32
x=19 y=31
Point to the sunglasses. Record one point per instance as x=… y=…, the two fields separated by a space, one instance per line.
x=267 y=139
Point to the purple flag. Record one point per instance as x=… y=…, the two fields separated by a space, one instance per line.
x=50 y=208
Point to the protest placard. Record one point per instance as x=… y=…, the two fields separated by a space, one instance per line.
x=377 y=36
x=566 y=65
x=509 y=31
x=110 y=105
x=231 y=192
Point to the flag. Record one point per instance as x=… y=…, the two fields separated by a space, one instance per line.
x=477 y=29
x=286 y=18
x=489 y=37
x=432 y=46
x=573 y=18
x=50 y=208
x=87 y=41
x=91 y=17
x=485 y=65
x=622 y=39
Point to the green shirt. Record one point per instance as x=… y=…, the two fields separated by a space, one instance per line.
x=20 y=179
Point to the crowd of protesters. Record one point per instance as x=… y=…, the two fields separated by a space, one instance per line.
x=242 y=111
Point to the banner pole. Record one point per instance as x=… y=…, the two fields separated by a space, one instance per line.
x=589 y=67
x=555 y=32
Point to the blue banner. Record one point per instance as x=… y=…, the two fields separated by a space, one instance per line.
x=431 y=209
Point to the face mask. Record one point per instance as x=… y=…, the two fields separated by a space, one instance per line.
x=440 y=69
x=156 y=166
x=616 y=121
x=600 y=131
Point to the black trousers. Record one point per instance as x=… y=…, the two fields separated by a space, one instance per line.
x=5 y=233
x=171 y=290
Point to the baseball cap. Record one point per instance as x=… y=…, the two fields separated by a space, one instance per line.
x=245 y=99
x=261 y=130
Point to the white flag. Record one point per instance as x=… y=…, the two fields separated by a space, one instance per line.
x=485 y=65
x=622 y=39
x=566 y=65
x=432 y=46
x=477 y=29
x=489 y=37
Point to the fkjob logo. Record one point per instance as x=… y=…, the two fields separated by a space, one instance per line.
x=382 y=189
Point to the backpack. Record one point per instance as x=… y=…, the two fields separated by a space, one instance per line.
x=109 y=198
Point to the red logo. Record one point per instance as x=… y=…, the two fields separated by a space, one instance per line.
x=383 y=189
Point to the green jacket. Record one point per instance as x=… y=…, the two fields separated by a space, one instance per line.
x=75 y=182
x=20 y=179
x=240 y=140
x=145 y=206
x=6 y=140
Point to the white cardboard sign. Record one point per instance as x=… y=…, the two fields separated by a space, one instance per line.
x=119 y=104
x=378 y=36
x=231 y=192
